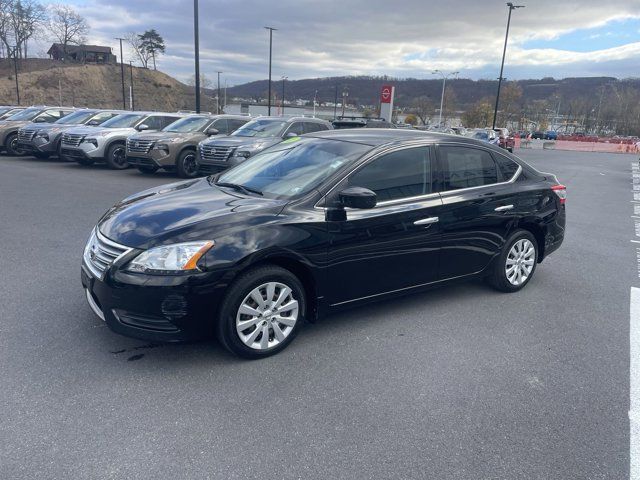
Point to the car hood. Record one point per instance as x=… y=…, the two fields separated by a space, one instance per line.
x=6 y=124
x=93 y=130
x=155 y=136
x=184 y=211
x=250 y=143
x=47 y=127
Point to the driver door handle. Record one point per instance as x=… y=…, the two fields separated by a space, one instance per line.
x=427 y=221
x=504 y=208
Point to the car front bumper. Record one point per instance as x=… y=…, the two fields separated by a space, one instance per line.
x=159 y=308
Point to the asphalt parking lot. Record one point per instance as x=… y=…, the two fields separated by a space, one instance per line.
x=459 y=383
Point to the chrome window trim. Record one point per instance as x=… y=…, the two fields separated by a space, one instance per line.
x=513 y=179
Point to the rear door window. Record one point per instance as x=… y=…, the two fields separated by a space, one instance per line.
x=465 y=167
x=506 y=167
x=222 y=126
x=235 y=124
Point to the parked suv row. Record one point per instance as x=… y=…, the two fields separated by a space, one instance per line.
x=39 y=114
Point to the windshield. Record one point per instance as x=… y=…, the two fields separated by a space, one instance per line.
x=26 y=114
x=294 y=167
x=260 y=128
x=76 y=118
x=189 y=124
x=126 y=120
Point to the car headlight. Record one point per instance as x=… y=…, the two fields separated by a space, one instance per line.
x=93 y=141
x=177 y=258
x=161 y=146
x=242 y=153
x=44 y=135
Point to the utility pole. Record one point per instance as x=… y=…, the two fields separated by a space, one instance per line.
x=124 y=100
x=504 y=51
x=283 y=80
x=131 y=99
x=444 y=82
x=335 y=104
x=271 y=29
x=345 y=94
x=196 y=45
x=315 y=96
x=218 y=102
x=15 y=70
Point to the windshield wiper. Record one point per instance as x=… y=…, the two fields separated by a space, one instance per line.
x=246 y=190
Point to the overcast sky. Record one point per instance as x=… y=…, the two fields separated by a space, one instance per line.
x=405 y=38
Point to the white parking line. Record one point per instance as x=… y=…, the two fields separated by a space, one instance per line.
x=634 y=385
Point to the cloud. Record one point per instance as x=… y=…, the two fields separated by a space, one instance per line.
x=408 y=38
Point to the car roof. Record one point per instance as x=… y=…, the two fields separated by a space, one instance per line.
x=293 y=118
x=379 y=136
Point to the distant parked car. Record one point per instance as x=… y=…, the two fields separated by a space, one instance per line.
x=505 y=139
x=174 y=147
x=106 y=143
x=7 y=111
x=218 y=154
x=9 y=127
x=362 y=122
x=551 y=135
x=459 y=130
x=485 y=135
x=43 y=140
x=538 y=135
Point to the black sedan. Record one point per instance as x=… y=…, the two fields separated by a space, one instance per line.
x=315 y=224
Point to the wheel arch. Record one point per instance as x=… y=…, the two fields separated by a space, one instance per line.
x=537 y=231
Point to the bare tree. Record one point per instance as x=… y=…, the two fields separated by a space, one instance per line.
x=138 y=47
x=21 y=19
x=423 y=107
x=67 y=26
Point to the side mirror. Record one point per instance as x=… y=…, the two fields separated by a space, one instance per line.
x=40 y=120
x=357 y=197
x=213 y=131
x=93 y=123
x=142 y=127
x=291 y=135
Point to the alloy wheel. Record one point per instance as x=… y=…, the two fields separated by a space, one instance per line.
x=119 y=156
x=520 y=262
x=190 y=164
x=267 y=316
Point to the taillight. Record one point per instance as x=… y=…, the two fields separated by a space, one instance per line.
x=561 y=192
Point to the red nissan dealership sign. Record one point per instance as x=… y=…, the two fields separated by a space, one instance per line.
x=385 y=94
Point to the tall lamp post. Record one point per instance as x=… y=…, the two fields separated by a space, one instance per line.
x=124 y=98
x=271 y=29
x=444 y=83
x=15 y=70
x=218 y=102
x=512 y=7
x=196 y=45
x=284 y=78
x=131 y=99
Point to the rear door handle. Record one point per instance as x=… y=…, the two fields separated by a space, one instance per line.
x=504 y=208
x=427 y=221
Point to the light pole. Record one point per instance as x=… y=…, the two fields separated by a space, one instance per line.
x=196 y=45
x=504 y=51
x=335 y=104
x=124 y=98
x=271 y=29
x=444 y=82
x=218 y=102
x=315 y=96
x=284 y=77
x=15 y=70
x=345 y=94
x=131 y=99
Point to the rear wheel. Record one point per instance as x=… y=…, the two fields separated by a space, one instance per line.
x=11 y=145
x=187 y=164
x=261 y=313
x=516 y=264
x=117 y=157
x=147 y=169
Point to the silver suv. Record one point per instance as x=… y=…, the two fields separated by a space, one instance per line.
x=107 y=143
x=45 y=139
x=217 y=154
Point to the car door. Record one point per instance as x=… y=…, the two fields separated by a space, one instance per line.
x=393 y=246
x=478 y=205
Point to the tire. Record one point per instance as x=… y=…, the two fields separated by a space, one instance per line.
x=148 y=170
x=516 y=255
x=239 y=294
x=86 y=162
x=11 y=147
x=117 y=157
x=187 y=164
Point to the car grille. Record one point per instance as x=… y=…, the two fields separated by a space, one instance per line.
x=141 y=162
x=139 y=146
x=72 y=139
x=25 y=135
x=213 y=153
x=101 y=252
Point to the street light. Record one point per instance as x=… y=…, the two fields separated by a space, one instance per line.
x=15 y=69
x=283 y=78
x=132 y=102
x=345 y=94
x=196 y=45
x=444 y=82
x=124 y=99
x=218 y=102
x=271 y=29
x=504 y=51
x=315 y=96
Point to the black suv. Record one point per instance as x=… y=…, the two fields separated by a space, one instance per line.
x=314 y=224
x=361 y=122
x=217 y=154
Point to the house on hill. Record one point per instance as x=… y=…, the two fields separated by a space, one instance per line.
x=82 y=53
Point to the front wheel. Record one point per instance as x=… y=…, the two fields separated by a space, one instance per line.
x=261 y=313
x=187 y=164
x=11 y=145
x=117 y=157
x=516 y=264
